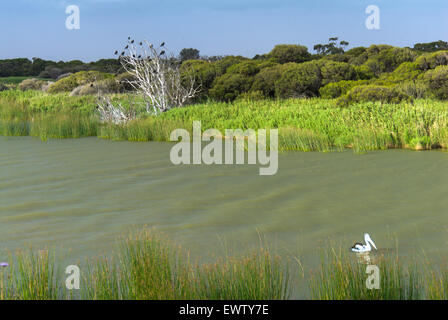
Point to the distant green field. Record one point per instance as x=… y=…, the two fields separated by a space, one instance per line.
x=16 y=80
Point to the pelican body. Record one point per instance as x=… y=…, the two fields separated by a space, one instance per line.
x=362 y=248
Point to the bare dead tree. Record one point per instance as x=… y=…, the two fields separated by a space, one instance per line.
x=156 y=77
x=116 y=114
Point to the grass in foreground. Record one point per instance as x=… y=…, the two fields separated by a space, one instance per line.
x=340 y=277
x=148 y=268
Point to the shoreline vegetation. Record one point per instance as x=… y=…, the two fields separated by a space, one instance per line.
x=306 y=124
x=147 y=267
x=364 y=98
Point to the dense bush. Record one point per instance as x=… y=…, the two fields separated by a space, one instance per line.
x=246 y=68
x=284 y=53
x=356 y=56
x=337 y=89
x=122 y=81
x=252 y=95
x=413 y=88
x=109 y=85
x=363 y=72
x=51 y=73
x=251 y=67
x=31 y=84
x=373 y=93
x=203 y=73
x=405 y=71
x=332 y=71
x=432 y=60
x=388 y=59
x=305 y=79
x=229 y=86
x=264 y=81
x=222 y=65
x=287 y=71
x=299 y=80
x=78 y=79
x=437 y=82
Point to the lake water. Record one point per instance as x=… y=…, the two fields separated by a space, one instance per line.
x=83 y=194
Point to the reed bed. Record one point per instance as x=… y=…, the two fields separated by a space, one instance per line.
x=33 y=277
x=152 y=269
x=148 y=267
x=341 y=277
x=304 y=124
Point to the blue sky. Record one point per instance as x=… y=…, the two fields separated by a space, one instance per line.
x=36 y=28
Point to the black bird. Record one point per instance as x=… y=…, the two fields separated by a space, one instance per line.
x=162 y=52
x=132 y=41
x=163 y=43
x=139 y=56
x=122 y=53
x=129 y=38
x=116 y=52
x=141 y=43
x=126 y=47
x=133 y=56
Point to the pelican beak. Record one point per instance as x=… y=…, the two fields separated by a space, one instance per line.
x=374 y=246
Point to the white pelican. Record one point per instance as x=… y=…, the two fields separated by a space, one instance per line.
x=361 y=248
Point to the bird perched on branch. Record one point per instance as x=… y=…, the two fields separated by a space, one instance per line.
x=162 y=44
x=162 y=52
x=116 y=52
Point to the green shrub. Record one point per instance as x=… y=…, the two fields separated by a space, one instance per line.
x=123 y=82
x=245 y=68
x=229 y=86
x=284 y=53
x=373 y=93
x=337 y=57
x=75 y=80
x=363 y=72
x=253 y=95
x=356 y=56
x=437 y=81
x=3 y=86
x=405 y=71
x=337 y=89
x=432 y=60
x=414 y=88
x=299 y=80
x=387 y=59
x=222 y=65
x=332 y=71
x=203 y=73
x=265 y=80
